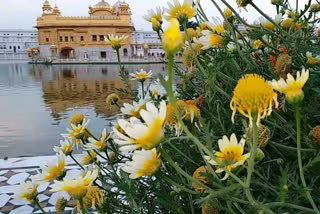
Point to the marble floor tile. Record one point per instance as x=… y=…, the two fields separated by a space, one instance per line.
x=4 y=198
x=24 y=209
x=55 y=196
x=2 y=178
x=18 y=178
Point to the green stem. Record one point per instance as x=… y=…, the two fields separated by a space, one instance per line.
x=36 y=201
x=142 y=84
x=298 y=121
x=76 y=161
x=118 y=57
x=173 y=101
x=83 y=211
x=297 y=6
x=253 y=152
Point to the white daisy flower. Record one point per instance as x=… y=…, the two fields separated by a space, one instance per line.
x=141 y=76
x=267 y=24
x=210 y=39
x=54 y=170
x=134 y=109
x=77 y=187
x=27 y=191
x=230 y=156
x=178 y=10
x=77 y=132
x=84 y=158
x=157 y=14
x=66 y=146
x=115 y=40
x=100 y=144
x=144 y=162
x=138 y=134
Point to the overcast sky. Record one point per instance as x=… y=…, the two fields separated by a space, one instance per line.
x=21 y=14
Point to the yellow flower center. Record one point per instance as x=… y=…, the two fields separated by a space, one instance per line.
x=77 y=192
x=55 y=171
x=66 y=148
x=216 y=40
x=218 y=29
x=313 y=60
x=253 y=95
x=153 y=137
x=269 y=26
x=150 y=166
x=180 y=10
x=294 y=89
x=230 y=155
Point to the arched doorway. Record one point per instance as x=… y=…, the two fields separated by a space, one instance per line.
x=67 y=52
x=125 y=52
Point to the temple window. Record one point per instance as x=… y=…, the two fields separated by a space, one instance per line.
x=47 y=39
x=61 y=39
x=71 y=38
x=94 y=38
x=66 y=39
x=101 y=37
x=81 y=38
x=103 y=54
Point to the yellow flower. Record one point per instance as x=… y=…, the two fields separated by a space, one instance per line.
x=269 y=25
x=86 y=159
x=115 y=40
x=138 y=134
x=192 y=111
x=205 y=26
x=61 y=204
x=315 y=134
x=172 y=40
x=253 y=95
x=93 y=197
x=77 y=132
x=287 y=24
x=77 y=187
x=227 y=13
x=312 y=60
x=182 y=12
x=27 y=191
x=209 y=40
x=203 y=179
x=144 y=162
x=54 y=170
x=171 y=118
x=134 y=109
x=112 y=99
x=243 y=3
x=192 y=34
x=100 y=144
x=292 y=88
x=156 y=14
x=230 y=156
x=77 y=119
x=156 y=25
x=66 y=146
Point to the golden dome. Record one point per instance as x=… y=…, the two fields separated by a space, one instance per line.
x=46 y=6
x=102 y=4
x=56 y=10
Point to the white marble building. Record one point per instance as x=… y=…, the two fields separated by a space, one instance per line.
x=14 y=44
x=146 y=43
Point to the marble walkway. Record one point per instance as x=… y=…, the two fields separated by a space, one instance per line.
x=16 y=170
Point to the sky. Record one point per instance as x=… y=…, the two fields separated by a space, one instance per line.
x=22 y=14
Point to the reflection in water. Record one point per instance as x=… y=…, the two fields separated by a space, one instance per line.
x=36 y=102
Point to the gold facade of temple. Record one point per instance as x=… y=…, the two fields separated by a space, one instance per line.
x=82 y=36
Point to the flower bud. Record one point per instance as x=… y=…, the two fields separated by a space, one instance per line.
x=172 y=40
x=61 y=205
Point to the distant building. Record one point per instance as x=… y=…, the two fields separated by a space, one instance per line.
x=83 y=38
x=14 y=44
x=147 y=43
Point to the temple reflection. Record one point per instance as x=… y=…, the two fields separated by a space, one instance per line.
x=69 y=87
